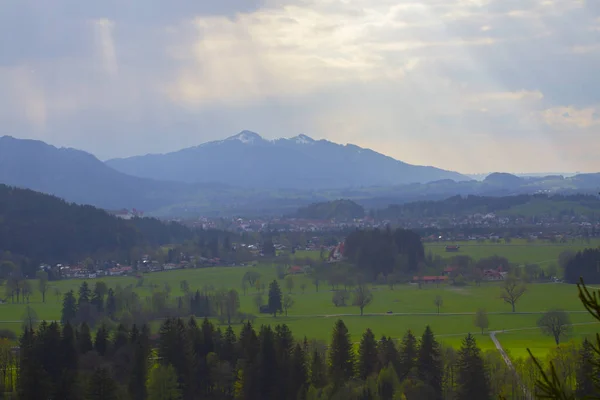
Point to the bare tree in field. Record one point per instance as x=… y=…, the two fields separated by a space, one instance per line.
x=439 y=302
x=555 y=323
x=289 y=283
x=362 y=297
x=288 y=302
x=258 y=301
x=481 y=320
x=512 y=290
x=303 y=287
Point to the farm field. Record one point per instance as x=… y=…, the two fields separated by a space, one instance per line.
x=518 y=251
x=314 y=314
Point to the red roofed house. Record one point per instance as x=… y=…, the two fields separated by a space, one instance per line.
x=296 y=269
x=452 y=249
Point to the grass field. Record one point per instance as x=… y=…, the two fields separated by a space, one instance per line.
x=518 y=251
x=313 y=314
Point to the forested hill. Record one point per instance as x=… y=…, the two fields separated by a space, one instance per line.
x=522 y=205
x=44 y=228
x=341 y=210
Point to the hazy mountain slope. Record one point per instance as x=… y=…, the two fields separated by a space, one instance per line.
x=79 y=177
x=249 y=160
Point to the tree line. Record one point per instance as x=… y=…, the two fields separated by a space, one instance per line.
x=584 y=264
x=386 y=251
x=37 y=228
x=192 y=360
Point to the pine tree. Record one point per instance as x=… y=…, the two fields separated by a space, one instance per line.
x=69 y=309
x=472 y=379
x=101 y=340
x=140 y=342
x=175 y=348
x=84 y=294
x=387 y=353
x=111 y=304
x=298 y=374
x=67 y=388
x=367 y=355
x=249 y=344
x=275 y=300
x=102 y=386
x=84 y=339
x=408 y=355
x=98 y=298
x=229 y=352
x=341 y=355
x=586 y=371
x=284 y=346
x=267 y=370
x=30 y=374
x=48 y=339
x=318 y=371
x=429 y=363
x=120 y=340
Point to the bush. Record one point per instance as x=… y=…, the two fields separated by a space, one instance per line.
x=7 y=334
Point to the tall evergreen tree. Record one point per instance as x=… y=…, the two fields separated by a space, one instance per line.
x=84 y=294
x=387 y=353
x=367 y=355
x=102 y=386
x=341 y=355
x=120 y=340
x=429 y=363
x=97 y=301
x=318 y=371
x=229 y=352
x=267 y=365
x=298 y=381
x=69 y=309
x=249 y=343
x=284 y=346
x=139 y=365
x=111 y=304
x=48 y=340
x=175 y=348
x=408 y=355
x=84 y=339
x=68 y=386
x=31 y=374
x=587 y=371
x=472 y=379
x=101 y=340
x=275 y=300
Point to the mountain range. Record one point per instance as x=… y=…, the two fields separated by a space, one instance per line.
x=248 y=160
x=248 y=175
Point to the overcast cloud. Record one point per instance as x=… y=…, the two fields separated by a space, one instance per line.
x=468 y=85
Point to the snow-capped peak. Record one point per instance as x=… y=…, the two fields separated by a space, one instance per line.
x=247 y=137
x=303 y=139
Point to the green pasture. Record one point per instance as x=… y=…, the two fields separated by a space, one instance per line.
x=314 y=314
x=518 y=251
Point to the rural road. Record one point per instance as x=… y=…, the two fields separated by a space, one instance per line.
x=509 y=363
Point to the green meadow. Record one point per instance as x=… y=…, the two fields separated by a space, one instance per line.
x=314 y=314
x=519 y=251
x=391 y=313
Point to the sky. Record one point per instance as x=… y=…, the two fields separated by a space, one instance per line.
x=467 y=85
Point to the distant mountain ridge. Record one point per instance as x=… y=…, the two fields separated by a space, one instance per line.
x=300 y=162
x=79 y=177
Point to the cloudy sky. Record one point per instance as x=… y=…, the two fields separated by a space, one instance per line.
x=468 y=85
